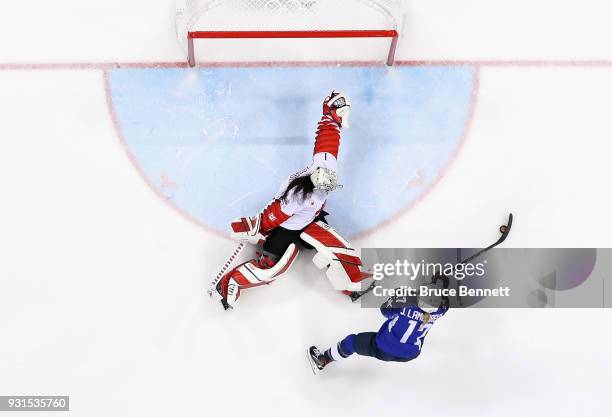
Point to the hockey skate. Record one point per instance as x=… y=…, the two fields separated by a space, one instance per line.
x=317 y=360
x=218 y=294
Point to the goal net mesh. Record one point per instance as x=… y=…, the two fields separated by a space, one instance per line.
x=287 y=15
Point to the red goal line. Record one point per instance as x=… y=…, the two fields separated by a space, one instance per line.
x=393 y=34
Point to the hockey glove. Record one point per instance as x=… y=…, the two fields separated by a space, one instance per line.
x=247 y=229
x=338 y=106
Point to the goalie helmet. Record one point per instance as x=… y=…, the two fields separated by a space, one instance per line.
x=324 y=179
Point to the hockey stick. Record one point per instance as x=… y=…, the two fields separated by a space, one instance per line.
x=226 y=266
x=504 y=230
x=356 y=295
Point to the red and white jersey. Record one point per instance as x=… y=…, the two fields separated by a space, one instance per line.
x=303 y=212
x=293 y=213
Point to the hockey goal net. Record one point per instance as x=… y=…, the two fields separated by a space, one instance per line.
x=289 y=19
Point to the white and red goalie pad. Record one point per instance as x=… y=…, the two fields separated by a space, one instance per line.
x=333 y=251
x=252 y=274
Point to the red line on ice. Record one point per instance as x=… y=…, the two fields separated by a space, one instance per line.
x=106 y=66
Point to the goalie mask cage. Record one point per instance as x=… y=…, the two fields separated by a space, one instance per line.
x=288 y=19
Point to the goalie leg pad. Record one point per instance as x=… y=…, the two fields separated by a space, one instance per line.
x=255 y=273
x=335 y=252
x=321 y=261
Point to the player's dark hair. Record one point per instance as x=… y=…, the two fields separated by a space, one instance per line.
x=302 y=188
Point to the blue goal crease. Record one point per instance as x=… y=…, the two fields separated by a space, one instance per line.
x=217 y=142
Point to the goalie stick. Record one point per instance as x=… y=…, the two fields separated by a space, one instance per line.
x=504 y=230
x=224 y=269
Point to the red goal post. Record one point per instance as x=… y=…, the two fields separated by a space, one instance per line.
x=288 y=19
x=393 y=34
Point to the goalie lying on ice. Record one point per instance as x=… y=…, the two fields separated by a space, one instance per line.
x=296 y=217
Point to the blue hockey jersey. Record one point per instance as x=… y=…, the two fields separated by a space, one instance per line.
x=404 y=332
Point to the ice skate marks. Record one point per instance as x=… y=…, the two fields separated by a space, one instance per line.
x=217 y=142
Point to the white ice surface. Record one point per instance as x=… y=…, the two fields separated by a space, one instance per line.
x=101 y=284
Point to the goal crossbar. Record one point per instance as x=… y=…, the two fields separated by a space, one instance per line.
x=393 y=34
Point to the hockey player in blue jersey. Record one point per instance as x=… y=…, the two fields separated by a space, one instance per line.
x=400 y=339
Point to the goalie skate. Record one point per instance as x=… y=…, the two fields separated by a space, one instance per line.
x=217 y=295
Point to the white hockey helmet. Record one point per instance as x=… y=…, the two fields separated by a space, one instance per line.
x=324 y=179
x=429 y=304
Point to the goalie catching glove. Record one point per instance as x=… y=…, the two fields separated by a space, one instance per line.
x=338 y=106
